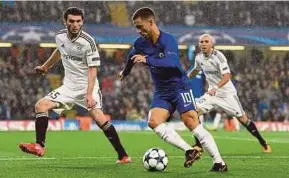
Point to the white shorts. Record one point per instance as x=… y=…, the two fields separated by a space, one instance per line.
x=68 y=98
x=230 y=104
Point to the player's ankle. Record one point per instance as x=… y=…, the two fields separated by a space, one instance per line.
x=41 y=143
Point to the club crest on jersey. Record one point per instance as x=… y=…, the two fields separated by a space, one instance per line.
x=161 y=55
x=78 y=47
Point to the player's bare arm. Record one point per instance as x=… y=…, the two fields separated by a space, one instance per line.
x=54 y=58
x=193 y=73
x=225 y=79
x=92 y=72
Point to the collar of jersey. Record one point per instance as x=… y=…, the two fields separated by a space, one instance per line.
x=209 y=55
x=158 y=38
x=155 y=44
x=75 y=37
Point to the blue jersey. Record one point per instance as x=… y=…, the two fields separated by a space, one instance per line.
x=172 y=89
x=199 y=83
x=162 y=61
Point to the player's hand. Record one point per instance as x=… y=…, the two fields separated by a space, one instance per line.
x=120 y=76
x=189 y=75
x=212 y=92
x=139 y=59
x=41 y=70
x=90 y=101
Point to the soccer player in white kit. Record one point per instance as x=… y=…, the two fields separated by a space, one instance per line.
x=221 y=93
x=80 y=59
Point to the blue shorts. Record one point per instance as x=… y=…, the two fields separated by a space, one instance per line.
x=182 y=100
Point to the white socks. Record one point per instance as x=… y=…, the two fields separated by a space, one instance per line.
x=172 y=137
x=217 y=120
x=236 y=123
x=201 y=118
x=208 y=143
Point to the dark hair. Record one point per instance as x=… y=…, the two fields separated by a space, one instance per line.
x=144 y=12
x=72 y=11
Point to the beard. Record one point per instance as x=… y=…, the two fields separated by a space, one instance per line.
x=147 y=36
x=71 y=32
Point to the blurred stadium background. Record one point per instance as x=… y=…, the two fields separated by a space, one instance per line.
x=255 y=43
x=254 y=36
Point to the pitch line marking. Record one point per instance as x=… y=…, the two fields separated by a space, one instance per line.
x=251 y=139
x=114 y=158
x=270 y=140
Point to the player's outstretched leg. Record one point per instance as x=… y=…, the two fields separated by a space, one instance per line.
x=190 y=119
x=157 y=117
x=172 y=137
x=42 y=107
x=37 y=148
x=251 y=127
x=111 y=134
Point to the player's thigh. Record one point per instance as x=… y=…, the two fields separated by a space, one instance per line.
x=186 y=106
x=44 y=105
x=205 y=104
x=231 y=105
x=63 y=96
x=160 y=111
x=96 y=94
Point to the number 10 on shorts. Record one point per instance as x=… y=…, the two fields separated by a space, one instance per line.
x=188 y=97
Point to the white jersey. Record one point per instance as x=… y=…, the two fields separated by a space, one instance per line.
x=77 y=55
x=214 y=67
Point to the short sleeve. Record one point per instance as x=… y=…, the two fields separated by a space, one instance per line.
x=197 y=65
x=57 y=41
x=93 y=58
x=222 y=63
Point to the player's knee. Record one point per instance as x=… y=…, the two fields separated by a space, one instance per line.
x=190 y=119
x=153 y=123
x=98 y=116
x=243 y=119
x=39 y=107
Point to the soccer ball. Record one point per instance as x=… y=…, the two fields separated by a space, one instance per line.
x=155 y=159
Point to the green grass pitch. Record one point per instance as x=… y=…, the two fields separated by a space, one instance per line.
x=89 y=154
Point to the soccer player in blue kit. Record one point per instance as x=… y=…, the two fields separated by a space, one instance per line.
x=159 y=52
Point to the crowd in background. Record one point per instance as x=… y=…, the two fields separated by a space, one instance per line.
x=20 y=89
x=191 y=13
x=262 y=84
x=219 y=13
x=51 y=11
x=262 y=81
